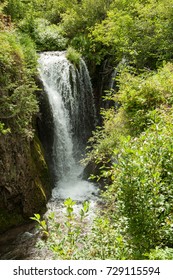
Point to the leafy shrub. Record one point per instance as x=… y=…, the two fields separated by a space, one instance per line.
x=78 y=18
x=48 y=36
x=142 y=187
x=3 y=130
x=160 y=254
x=138 y=103
x=134 y=149
x=139 y=31
x=146 y=91
x=73 y=238
x=64 y=239
x=15 y=8
x=18 y=103
x=106 y=240
x=73 y=56
x=29 y=51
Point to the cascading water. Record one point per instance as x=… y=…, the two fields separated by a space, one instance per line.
x=70 y=96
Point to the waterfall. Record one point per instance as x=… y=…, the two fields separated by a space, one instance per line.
x=70 y=96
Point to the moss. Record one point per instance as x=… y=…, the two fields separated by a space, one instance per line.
x=42 y=180
x=28 y=180
x=40 y=187
x=9 y=219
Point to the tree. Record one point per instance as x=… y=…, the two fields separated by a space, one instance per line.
x=138 y=31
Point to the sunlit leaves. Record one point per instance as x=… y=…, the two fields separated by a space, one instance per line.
x=134 y=150
x=18 y=103
x=137 y=30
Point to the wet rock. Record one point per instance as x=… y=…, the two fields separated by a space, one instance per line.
x=24 y=185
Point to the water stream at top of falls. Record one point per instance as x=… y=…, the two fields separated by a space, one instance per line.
x=70 y=96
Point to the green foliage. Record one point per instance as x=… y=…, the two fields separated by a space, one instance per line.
x=139 y=31
x=16 y=9
x=33 y=18
x=141 y=96
x=18 y=103
x=80 y=16
x=107 y=138
x=73 y=56
x=137 y=221
x=160 y=254
x=48 y=36
x=41 y=223
x=134 y=150
x=66 y=238
x=69 y=203
x=3 y=130
x=77 y=19
x=106 y=241
x=138 y=104
x=29 y=52
x=83 y=212
x=144 y=189
x=2 y=6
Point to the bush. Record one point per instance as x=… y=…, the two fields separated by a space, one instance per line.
x=47 y=36
x=143 y=188
x=18 y=103
x=73 y=56
x=65 y=239
x=160 y=254
x=134 y=150
x=139 y=31
x=29 y=51
x=137 y=105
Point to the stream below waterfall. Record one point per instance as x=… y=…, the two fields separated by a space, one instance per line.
x=70 y=96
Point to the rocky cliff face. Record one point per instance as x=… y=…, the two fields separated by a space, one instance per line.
x=45 y=126
x=24 y=184
x=24 y=177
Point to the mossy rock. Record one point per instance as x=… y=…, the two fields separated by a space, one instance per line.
x=42 y=180
x=27 y=187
